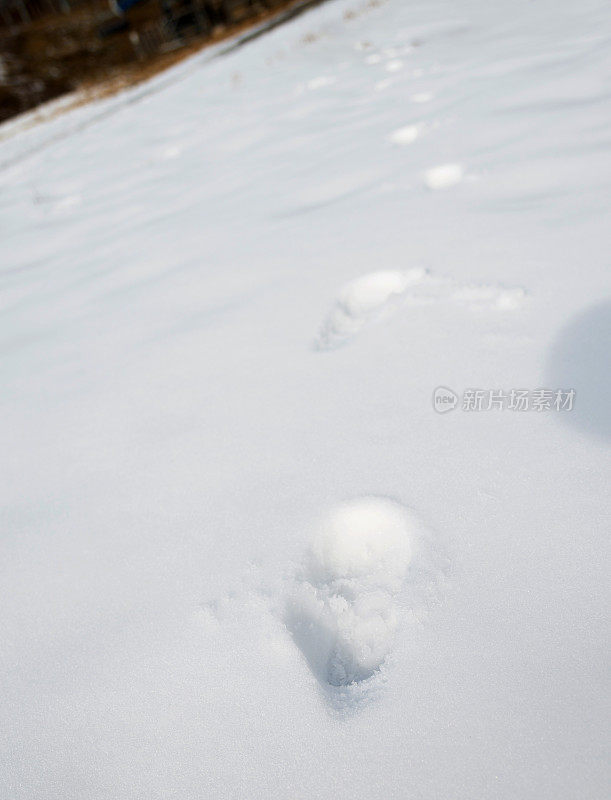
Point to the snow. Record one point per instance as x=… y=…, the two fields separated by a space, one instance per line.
x=227 y=302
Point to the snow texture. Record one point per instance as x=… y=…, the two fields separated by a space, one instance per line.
x=227 y=298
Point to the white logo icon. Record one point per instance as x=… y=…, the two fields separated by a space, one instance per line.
x=444 y=400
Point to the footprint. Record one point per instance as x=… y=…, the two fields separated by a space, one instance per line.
x=421 y=97
x=376 y=295
x=61 y=201
x=444 y=176
x=405 y=135
x=396 y=65
x=343 y=611
x=67 y=203
x=171 y=153
x=363 y=301
x=164 y=153
x=320 y=83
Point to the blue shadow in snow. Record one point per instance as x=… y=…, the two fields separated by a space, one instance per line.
x=580 y=359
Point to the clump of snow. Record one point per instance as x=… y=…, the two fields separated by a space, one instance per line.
x=443 y=176
x=365 y=540
x=342 y=612
x=368 y=293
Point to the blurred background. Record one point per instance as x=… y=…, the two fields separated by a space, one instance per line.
x=50 y=47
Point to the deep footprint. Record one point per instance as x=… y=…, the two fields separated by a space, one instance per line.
x=343 y=612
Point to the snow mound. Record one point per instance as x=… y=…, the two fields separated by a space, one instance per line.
x=362 y=301
x=343 y=612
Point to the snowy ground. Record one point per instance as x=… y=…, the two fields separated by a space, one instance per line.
x=242 y=556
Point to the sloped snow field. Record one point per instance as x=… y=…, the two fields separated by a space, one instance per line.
x=242 y=555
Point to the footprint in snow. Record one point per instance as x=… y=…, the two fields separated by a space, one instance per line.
x=362 y=301
x=421 y=97
x=170 y=153
x=405 y=135
x=58 y=203
x=319 y=83
x=443 y=176
x=396 y=65
x=165 y=153
x=377 y=295
x=343 y=611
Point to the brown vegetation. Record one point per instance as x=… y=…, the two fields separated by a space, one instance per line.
x=55 y=49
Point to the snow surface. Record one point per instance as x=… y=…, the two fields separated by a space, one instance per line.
x=242 y=556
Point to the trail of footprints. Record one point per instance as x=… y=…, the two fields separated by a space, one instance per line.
x=376 y=295
x=345 y=603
